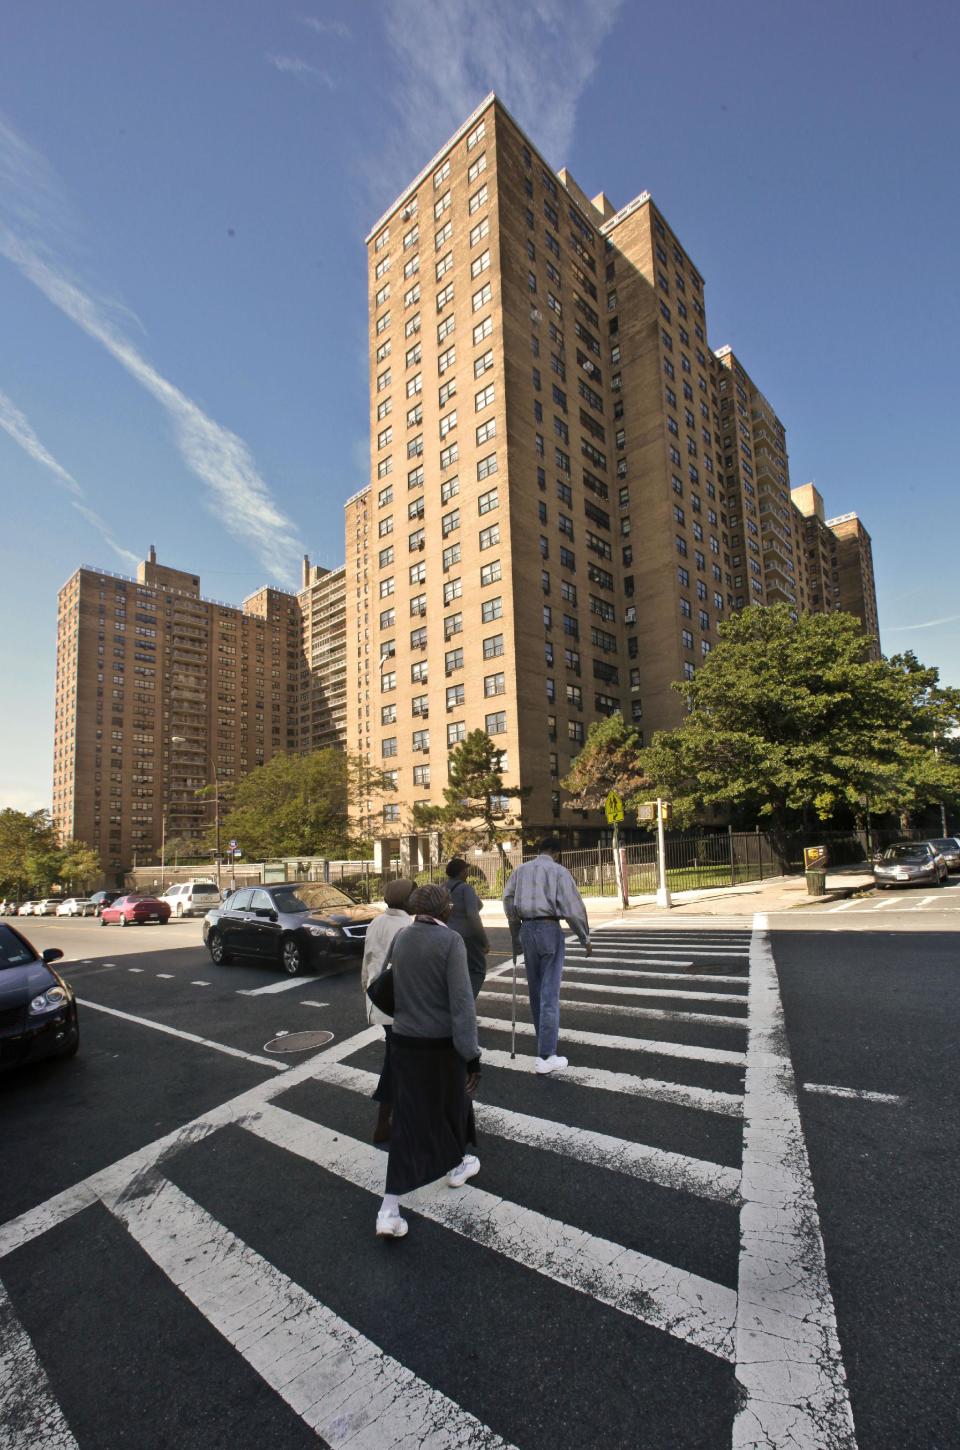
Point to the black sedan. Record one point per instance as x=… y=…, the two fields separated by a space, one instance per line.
x=38 y=1008
x=293 y=927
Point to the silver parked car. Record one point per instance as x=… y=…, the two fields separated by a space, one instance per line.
x=949 y=848
x=77 y=906
x=910 y=863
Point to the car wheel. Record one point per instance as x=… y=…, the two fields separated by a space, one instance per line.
x=218 y=952
x=123 y=920
x=180 y=908
x=74 y=1047
x=291 y=956
x=163 y=920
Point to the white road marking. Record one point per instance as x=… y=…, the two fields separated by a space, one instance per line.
x=879 y=905
x=660 y=976
x=199 y=984
x=284 y=985
x=129 y=969
x=730 y=1105
x=167 y=976
x=30 y=1417
x=64 y=1205
x=667 y=994
x=715 y=1181
x=679 y=1303
x=621 y=961
x=314 y=1004
x=186 y=1036
x=789 y=1367
x=626 y=1044
x=859 y=1093
x=844 y=906
x=339 y=1382
x=620 y=1009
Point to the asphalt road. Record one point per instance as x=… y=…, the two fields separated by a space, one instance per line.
x=223 y=1286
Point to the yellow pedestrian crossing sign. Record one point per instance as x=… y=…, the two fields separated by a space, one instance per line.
x=614 y=808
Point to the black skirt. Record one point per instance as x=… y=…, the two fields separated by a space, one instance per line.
x=432 y=1115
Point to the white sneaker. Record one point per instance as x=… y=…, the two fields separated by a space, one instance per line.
x=391 y=1226
x=551 y=1064
x=458 y=1176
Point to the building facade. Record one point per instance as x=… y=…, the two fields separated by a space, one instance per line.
x=323 y=658
x=161 y=692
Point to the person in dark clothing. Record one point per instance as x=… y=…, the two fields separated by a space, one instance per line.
x=465 y=921
x=435 y=1058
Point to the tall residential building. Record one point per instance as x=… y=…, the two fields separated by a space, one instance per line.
x=159 y=692
x=323 y=658
x=561 y=509
x=765 y=538
x=851 y=570
x=542 y=541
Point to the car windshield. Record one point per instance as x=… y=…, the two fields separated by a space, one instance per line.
x=205 y=890
x=14 y=952
x=312 y=897
x=906 y=853
x=946 y=844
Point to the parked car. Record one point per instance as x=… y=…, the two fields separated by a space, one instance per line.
x=135 y=909
x=47 y=907
x=77 y=906
x=910 y=863
x=38 y=1007
x=293 y=927
x=949 y=848
x=9 y=907
x=191 y=898
x=101 y=899
x=27 y=908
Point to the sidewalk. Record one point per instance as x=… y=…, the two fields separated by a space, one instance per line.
x=777 y=893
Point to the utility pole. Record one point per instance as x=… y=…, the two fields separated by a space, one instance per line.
x=663 y=891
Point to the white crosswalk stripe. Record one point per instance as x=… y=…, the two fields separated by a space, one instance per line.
x=342 y=1384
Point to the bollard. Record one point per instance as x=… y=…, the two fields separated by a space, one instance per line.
x=816 y=883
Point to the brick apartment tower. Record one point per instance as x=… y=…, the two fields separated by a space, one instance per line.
x=323 y=658
x=156 y=686
x=569 y=489
x=542 y=542
x=838 y=562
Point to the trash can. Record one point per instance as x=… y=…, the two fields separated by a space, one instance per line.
x=816 y=883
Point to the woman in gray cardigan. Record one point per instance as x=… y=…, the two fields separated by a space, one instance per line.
x=435 y=1058
x=465 y=921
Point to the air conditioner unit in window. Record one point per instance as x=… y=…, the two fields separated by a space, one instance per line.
x=408 y=212
x=535 y=315
x=422 y=545
x=425 y=713
x=418 y=746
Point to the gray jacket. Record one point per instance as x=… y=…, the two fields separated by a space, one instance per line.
x=432 y=990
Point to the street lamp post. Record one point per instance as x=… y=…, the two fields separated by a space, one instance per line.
x=182 y=740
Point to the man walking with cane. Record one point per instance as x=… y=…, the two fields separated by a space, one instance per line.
x=537 y=895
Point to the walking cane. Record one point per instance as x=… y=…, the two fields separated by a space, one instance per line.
x=513 y=1028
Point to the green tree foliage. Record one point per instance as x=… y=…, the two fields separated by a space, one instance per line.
x=476 y=809
x=609 y=760
x=32 y=859
x=297 y=805
x=791 y=716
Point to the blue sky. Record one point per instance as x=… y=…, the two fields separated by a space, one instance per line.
x=184 y=193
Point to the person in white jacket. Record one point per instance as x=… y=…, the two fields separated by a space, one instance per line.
x=376 y=949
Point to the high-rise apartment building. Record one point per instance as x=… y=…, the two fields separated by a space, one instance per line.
x=569 y=490
x=851 y=571
x=542 y=541
x=160 y=692
x=323 y=658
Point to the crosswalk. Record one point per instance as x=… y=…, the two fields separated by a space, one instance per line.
x=618 y=1196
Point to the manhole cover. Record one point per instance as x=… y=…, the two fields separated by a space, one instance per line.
x=298 y=1041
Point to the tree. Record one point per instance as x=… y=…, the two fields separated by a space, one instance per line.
x=29 y=854
x=296 y=805
x=790 y=715
x=609 y=760
x=476 y=809
x=79 y=866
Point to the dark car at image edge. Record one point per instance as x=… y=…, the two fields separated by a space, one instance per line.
x=293 y=927
x=38 y=1007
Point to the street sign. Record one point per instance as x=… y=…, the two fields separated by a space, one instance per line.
x=647 y=811
x=613 y=806
x=233 y=845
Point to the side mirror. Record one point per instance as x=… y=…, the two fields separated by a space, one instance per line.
x=51 y=954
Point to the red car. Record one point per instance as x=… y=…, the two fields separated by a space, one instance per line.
x=129 y=909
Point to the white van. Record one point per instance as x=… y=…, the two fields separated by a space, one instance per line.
x=191 y=898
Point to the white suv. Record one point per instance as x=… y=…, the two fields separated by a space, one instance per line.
x=192 y=898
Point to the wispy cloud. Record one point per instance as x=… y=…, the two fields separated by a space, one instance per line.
x=33 y=203
x=538 y=57
x=339 y=28
x=925 y=624
x=294 y=65
x=15 y=423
